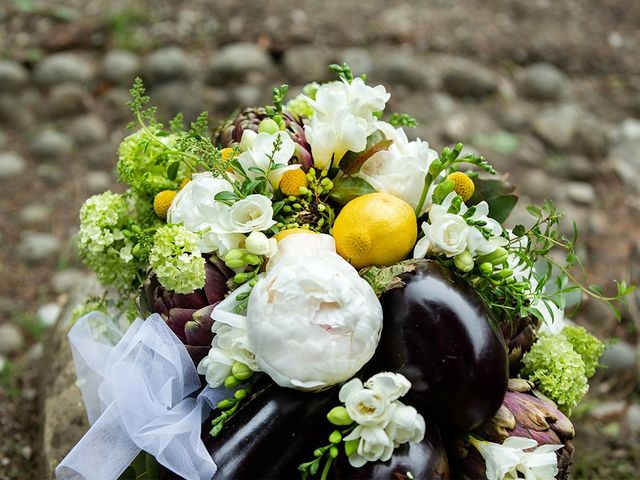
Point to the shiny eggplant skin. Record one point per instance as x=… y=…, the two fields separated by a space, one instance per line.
x=426 y=460
x=275 y=431
x=439 y=334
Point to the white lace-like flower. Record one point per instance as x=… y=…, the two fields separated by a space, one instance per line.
x=258 y=244
x=374 y=444
x=400 y=170
x=230 y=343
x=503 y=461
x=365 y=406
x=405 y=425
x=394 y=385
x=312 y=320
x=259 y=149
x=194 y=207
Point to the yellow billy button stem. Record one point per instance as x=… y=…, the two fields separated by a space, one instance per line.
x=463 y=185
x=162 y=202
x=375 y=229
x=292 y=181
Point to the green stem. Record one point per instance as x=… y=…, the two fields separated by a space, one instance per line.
x=325 y=470
x=579 y=284
x=428 y=180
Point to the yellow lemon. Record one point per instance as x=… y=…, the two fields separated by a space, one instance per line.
x=292 y=180
x=375 y=229
x=290 y=231
x=162 y=202
x=463 y=185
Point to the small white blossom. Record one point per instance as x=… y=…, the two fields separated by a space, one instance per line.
x=374 y=444
x=258 y=244
x=394 y=385
x=260 y=149
x=365 y=406
x=405 y=425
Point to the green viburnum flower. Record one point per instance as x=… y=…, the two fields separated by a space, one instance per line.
x=557 y=370
x=176 y=260
x=586 y=345
x=143 y=161
x=103 y=244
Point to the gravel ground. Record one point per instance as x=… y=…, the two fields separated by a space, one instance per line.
x=549 y=91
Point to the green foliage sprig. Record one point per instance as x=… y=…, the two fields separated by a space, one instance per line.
x=403 y=120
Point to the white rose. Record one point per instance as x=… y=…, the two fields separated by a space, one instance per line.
x=312 y=321
x=448 y=234
x=406 y=425
x=395 y=385
x=365 y=406
x=253 y=213
x=374 y=445
x=194 y=207
x=400 y=170
x=258 y=244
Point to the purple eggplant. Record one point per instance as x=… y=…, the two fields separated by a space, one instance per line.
x=439 y=334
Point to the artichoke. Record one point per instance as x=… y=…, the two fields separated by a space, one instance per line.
x=189 y=315
x=524 y=413
x=230 y=132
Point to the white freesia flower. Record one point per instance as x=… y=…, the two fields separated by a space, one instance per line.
x=448 y=233
x=540 y=464
x=253 y=213
x=374 y=445
x=260 y=148
x=553 y=319
x=395 y=385
x=230 y=343
x=405 y=425
x=503 y=461
x=258 y=244
x=194 y=207
x=312 y=320
x=400 y=170
x=343 y=119
x=365 y=406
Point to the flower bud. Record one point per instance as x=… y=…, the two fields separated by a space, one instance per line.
x=235 y=254
x=333 y=452
x=339 y=416
x=241 y=278
x=241 y=371
x=269 y=126
x=486 y=268
x=240 y=394
x=226 y=404
x=231 y=382
x=335 y=437
x=497 y=257
x=257 y=243
x=464 y=261
x=351 y=447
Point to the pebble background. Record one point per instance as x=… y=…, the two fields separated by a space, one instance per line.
x=548 y=91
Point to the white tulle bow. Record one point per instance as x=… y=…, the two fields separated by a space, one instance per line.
x=138 y=389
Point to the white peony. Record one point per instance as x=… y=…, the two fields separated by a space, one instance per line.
x=259 y=150
x=374 y=445
x=258 y=244
x=365 y=406
x=394 y=385
x=400 y=170
x=405 y=425
x=194 y=207
x=312 y=321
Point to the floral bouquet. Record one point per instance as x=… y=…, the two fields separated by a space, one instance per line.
x=323 y=298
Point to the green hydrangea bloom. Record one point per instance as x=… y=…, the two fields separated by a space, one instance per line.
x=104 y=243
x=299 y=105
x=557 y=370
x=143 y=162
x=176 y=260
x=585 y=344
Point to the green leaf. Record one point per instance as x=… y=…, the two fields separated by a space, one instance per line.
x=226 y=197
x=346 y=189
x=354 y=161
x=500 y=207
x=153 y=467
x=486 y=188
x=519 y=230
x=535 y=211
x=172 y=170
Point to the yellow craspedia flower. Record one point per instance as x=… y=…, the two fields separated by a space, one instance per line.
x=463 y=185
x=184 y=183
x=292 y=180
x=291 y=231
x=162 y=202
x=226 y=153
